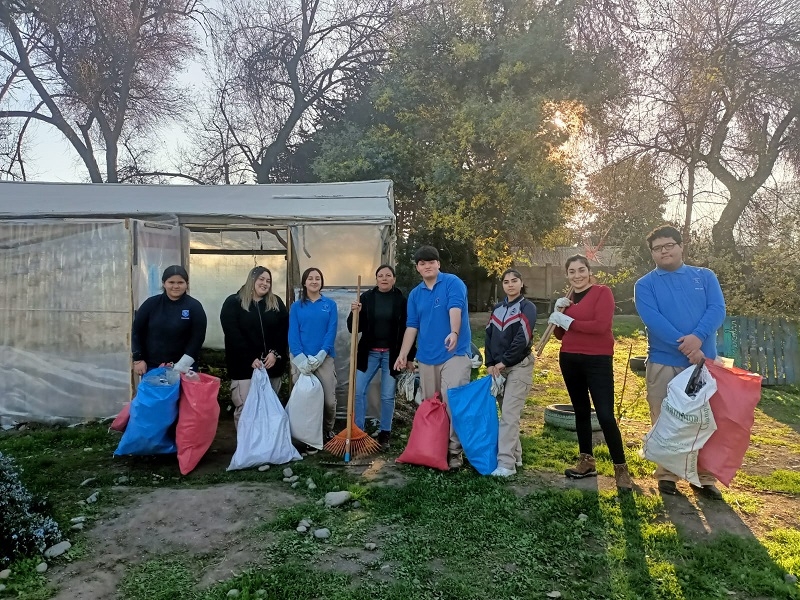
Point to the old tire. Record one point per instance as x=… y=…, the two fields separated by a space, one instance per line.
x=563 y=417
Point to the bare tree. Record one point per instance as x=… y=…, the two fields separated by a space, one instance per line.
x=99 y=71
x=717 y=90
x=279 y=65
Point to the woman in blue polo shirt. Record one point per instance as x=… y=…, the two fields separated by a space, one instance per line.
x=313 y=320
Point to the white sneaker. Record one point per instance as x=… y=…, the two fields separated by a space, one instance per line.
x=503 y=472
x=518 y=462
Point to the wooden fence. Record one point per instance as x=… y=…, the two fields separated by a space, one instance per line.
x=762 y=345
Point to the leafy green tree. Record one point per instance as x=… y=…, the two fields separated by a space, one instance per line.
x=472 y=120
x=623 y=202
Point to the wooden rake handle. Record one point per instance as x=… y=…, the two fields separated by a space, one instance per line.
x=549 y=331
x=351 y=384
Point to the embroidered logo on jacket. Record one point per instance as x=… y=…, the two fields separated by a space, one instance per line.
x=185 y=313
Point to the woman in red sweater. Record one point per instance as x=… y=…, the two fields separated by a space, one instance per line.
x=583 y=324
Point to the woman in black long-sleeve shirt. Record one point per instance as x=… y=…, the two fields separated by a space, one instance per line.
x=256 y=326
x=169 y=327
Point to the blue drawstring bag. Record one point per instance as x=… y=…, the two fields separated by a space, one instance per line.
x=153 y=412
x=474 y=413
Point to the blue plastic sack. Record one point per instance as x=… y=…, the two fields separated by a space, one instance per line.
x=154 y=410
x=473 y=410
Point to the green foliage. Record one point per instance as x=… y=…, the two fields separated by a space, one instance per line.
x=763 y=282
x=624 y=200
x=470 y=120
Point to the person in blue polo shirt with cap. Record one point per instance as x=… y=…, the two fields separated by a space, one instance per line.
x=438 y=319
x=682 y=307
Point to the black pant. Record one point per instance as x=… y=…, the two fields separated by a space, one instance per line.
x=584 y=374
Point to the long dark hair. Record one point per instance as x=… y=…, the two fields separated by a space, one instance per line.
x=306 y=273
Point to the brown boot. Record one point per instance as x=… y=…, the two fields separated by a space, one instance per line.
x=623 y=477
x=584 y=468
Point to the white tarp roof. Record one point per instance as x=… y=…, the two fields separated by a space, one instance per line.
x=272 y=204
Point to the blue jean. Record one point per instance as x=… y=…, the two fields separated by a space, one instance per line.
x=378 y=361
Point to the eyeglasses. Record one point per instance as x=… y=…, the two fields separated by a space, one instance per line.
x=669 y=246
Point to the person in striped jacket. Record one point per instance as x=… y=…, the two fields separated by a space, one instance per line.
x=509 y=337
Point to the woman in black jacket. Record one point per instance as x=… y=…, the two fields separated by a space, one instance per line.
x=256 y=326
x=169 y=327
x=382 y=323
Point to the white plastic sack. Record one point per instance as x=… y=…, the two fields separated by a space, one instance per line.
x=263 y=435
x=305 y=409
x=683 y=427
x=405 y=386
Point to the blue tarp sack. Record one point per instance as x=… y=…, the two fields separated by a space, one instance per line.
x=474 y=414
x=153 y=412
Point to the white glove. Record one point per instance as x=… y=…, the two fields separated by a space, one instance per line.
x=562 y=303
x=312 y=365
x=476 y=361
x=184 y=364
x=560 y=319
x=498 y=385
x=321 y=356
x=301 y=362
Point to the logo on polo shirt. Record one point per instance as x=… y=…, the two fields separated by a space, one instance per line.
x=185 y=313
x=436 y=302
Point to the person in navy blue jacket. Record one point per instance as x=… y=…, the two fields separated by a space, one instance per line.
x=313 y=320
x=682 y=307
x=169 y=327
x=509 y=337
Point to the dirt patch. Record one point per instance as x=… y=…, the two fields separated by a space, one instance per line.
x=208 y=521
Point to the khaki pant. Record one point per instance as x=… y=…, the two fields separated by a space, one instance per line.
x=239 y=390
x=658 y=376
x=518 y=383
x=439 y=378
x=326 y=373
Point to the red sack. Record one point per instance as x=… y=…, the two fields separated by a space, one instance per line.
x=121 y=422
x=198 y=415
x=733 y=406
x=430 y=436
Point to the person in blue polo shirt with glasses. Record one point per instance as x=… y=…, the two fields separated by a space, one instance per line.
x=438 y=319
x=682 y=307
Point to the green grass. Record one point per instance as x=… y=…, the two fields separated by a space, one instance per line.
x=780 y=480
x=446 y=536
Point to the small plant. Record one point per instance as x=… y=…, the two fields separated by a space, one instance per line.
x=24 y=527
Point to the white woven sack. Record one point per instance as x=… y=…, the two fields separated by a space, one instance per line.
x=263 y=436
x=683 y=427
x=405 y=386
x=305 y=409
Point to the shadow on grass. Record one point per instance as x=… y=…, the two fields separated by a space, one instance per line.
x=782 y=403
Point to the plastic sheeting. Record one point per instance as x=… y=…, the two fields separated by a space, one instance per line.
x=342 y=252
x=206 y=205
x=215 y=277
x=65 y=319
x=156 y=246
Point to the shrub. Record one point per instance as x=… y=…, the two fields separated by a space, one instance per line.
x=25 y=529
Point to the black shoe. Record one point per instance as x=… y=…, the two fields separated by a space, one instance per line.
x=328 y=436
x=709 y=491
x=667 y=487
x=383 y=440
